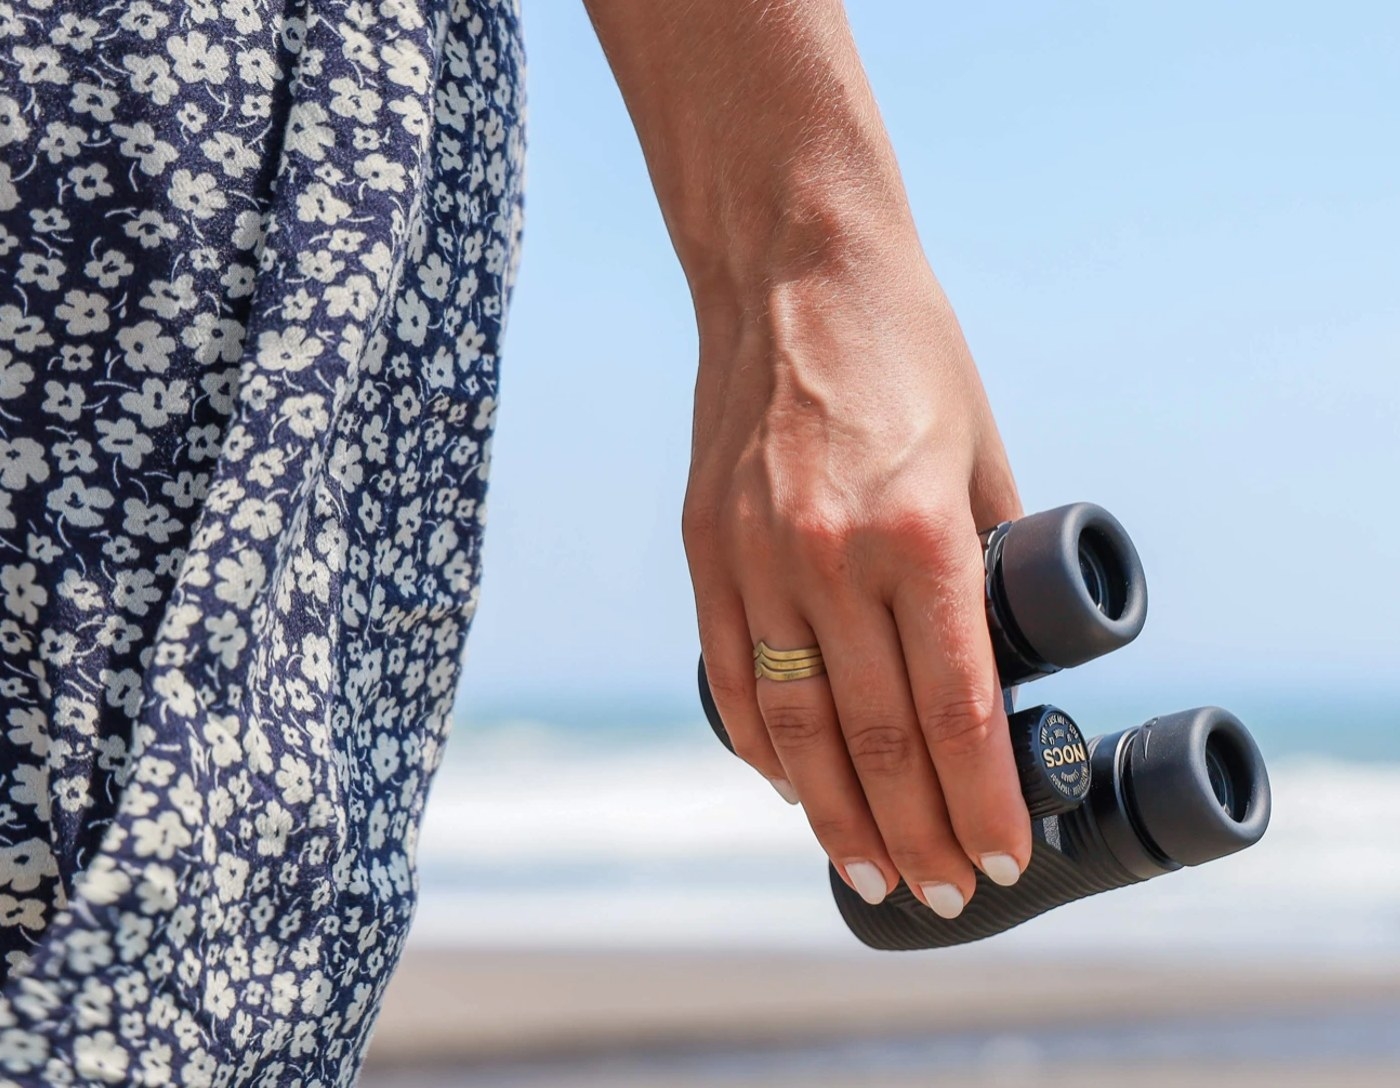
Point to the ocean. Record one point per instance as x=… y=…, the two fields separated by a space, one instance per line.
x=620 y=822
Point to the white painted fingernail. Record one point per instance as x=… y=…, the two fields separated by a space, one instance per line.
x=1001 y=868
x=943 y=899
x=869 y=882
x=785 y=790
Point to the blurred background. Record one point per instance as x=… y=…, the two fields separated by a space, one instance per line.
x=1171 y=234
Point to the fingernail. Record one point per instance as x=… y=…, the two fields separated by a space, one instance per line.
x=1000 y=868
x=943 y=899
x=785 y=790
x=869 y=882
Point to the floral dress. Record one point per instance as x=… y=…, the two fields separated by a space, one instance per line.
x=255 y=257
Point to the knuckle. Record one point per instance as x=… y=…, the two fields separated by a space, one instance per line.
x=836 y=833
x=881 y=749
x=959 y=723
x=699 y=525
x=793 y=727
x=752 y=751
x=729 y=688
x=744 y=522
x=921 y=529
x=822 y=538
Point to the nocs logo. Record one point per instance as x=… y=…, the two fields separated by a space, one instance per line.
x=1067 y=753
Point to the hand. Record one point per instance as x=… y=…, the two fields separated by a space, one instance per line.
x=844 y=455
x=844 y=461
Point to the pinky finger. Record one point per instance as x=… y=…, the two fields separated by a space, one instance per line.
x=728 y=663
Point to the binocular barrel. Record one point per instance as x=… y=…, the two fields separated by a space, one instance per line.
x=1180 y=790
x=1063 y=587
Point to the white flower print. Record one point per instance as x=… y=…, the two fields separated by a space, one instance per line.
x=26 y=332
x=307 y=131
x=198 y=194
x=239 y=578
x=21 y=1051
x=215 y=339
x=39 y=64
x=31 y=788
x=24 y=866
x=140 y=142
x=351 y=100
x=110 y=268
x=145 y=20
x=157 y=401
x=150 y=229
x=257 y=68
x=101 y=1058
x=151 y=520
x=61 y=141
x=413 y=318
x=147 y=346
x=380 y=173
x=160 y=837
x=168 y=298
x=197 y=58
x=136 y=591
x=21 y=462
x=48 y=221
x=13 y=127
x=124 y=439
x=288 y=349
x=41 y=270
x=94 y=100
x=405 y=64
x=90 y=182
x=84 y=312
x=230 y=154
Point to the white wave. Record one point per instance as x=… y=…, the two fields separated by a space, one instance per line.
x=528 y=841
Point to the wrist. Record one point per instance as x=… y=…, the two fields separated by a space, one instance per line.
x=812 y=241
x=811 y=261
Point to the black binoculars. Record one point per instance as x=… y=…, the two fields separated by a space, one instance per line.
x=1063 y=587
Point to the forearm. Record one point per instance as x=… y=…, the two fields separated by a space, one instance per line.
x=763 y=140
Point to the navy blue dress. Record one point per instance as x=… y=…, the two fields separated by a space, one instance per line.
x=255 y=258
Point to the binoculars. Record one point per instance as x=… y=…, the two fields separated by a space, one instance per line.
x=1063 y=587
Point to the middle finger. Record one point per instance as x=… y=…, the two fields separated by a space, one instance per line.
x=875 y=708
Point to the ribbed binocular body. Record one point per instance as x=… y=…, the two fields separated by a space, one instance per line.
x=1063 y=587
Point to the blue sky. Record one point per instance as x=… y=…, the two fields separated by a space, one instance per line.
x=1172 y=234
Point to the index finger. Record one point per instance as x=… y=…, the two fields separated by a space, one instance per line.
x=940 y=611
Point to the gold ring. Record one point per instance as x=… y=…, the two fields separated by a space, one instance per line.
x=770 y=664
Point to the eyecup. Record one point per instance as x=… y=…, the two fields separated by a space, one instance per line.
x=1168 y=775
x=1045 y=560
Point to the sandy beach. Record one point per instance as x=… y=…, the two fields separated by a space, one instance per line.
x=488 y=1018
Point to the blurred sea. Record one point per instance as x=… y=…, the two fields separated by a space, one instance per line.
x=614 y=822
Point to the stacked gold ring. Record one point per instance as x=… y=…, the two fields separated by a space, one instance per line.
x=770 y=664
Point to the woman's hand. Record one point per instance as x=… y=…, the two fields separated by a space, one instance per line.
x=844 y=454
x=844 y=462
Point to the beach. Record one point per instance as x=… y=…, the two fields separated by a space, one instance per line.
x=601 y=910
x=482 y=1018
x=607 y=910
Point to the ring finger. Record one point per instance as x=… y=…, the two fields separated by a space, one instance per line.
x=800 y=717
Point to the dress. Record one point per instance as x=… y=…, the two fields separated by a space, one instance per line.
x=255 y=258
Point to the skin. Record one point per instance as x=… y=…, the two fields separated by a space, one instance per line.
x=844 y=453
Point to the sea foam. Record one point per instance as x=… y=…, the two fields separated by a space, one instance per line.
x=534 y=837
